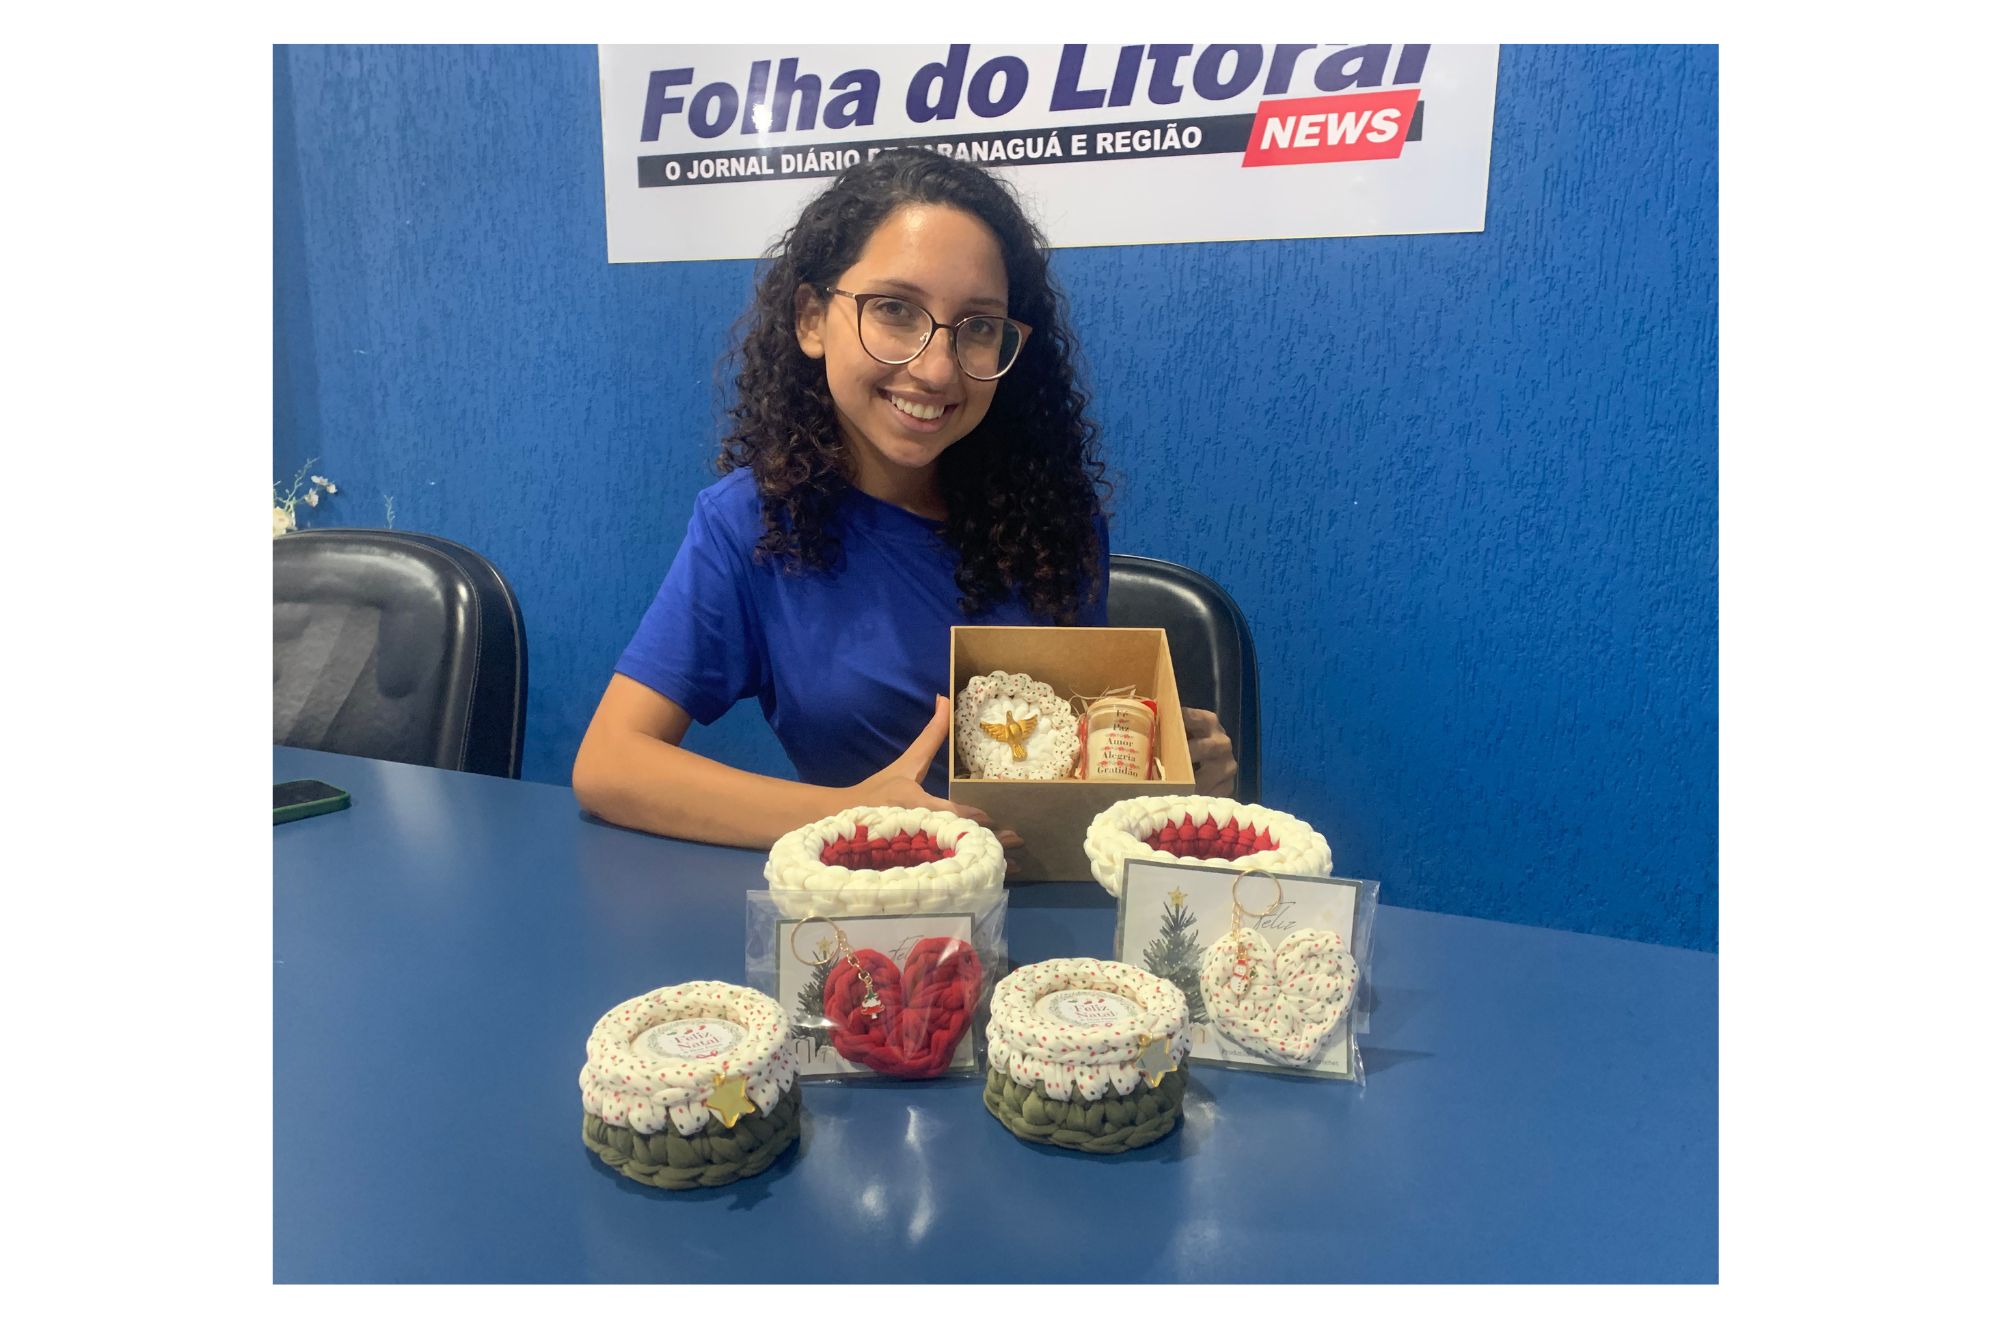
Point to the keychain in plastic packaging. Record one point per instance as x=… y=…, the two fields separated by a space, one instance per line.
x=905 y=1022
x=1283 y=1003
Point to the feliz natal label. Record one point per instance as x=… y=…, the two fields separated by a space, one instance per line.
x=1086 y=1008
x=693 y=1039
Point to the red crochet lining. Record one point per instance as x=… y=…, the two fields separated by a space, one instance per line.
x=922 y=1013
x=861 y=851
x=1229 y=841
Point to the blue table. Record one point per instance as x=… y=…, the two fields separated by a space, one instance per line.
x=1541 y=1106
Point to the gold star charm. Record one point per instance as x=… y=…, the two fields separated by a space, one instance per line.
x=1177 y=897
x=1152 y=1059
x=728 y=1100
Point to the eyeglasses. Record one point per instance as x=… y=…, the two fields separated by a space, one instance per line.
x=894 y=330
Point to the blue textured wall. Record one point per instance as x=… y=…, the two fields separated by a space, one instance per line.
x=1464 y=486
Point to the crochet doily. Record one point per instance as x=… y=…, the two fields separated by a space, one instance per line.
x=655 y=1059
x=1196 y=829
x=1122 y=1008
x=1289 y=1001
x=998 y=699
x=884 y=860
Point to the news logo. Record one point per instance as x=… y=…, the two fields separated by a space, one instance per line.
x=1355 y=126
x=1365 y=105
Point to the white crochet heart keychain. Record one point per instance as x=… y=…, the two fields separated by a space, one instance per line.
x=1281 y=1003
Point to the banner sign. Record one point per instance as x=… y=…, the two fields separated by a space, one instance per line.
x=711 y=151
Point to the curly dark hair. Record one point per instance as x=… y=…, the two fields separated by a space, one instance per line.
x=1023 y=488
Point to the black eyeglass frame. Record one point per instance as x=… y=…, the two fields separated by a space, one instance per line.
x=933 y=325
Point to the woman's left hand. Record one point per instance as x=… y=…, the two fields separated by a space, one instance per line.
x=1210 y=753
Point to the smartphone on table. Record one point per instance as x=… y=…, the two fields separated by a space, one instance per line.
x=300 y=798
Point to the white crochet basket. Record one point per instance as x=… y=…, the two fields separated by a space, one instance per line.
x=632 y=1078
x=691 y=1086
x=884 y=860
x=1087 y=1054
x=1034 y=1046
x=1200 y=829
x=1051 y=750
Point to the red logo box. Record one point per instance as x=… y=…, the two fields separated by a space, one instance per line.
x=1353 y=126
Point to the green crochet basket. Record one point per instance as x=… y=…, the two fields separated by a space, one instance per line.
x=691 y=1086
x=714 y=1156
x=1087 y=1054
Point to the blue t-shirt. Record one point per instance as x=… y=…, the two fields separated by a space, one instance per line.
x=845 y=662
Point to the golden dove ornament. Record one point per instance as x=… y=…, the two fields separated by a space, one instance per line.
x=1011 y=726
x=1013 y=731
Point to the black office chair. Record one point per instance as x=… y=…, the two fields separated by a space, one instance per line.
x=1209 y=642
x=399 y=646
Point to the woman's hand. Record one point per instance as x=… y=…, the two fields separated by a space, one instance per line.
x=1210 y=753
x=898 y=785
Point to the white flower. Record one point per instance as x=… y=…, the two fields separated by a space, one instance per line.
x=281 y=522
x=320 y=479
x=330 y=487
x=311 y=498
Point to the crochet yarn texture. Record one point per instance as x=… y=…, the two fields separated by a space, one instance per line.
x=884 y=860
x=649 y=1100
x=1114 y=1124
x=1199 y=829
x=1294 y=998
x=1052 y=748
x=672 y=1161
x=922 y=1014
x=1082 y=1084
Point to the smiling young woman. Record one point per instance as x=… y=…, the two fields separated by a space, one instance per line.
x=900 y=374
x=909 y=450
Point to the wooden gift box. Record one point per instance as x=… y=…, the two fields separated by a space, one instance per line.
x=1052 y=814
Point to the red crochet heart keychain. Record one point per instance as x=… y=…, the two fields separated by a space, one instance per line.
x=905 y=1024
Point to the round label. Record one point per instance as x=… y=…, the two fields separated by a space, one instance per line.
x=693 y=1039
x=1088 y=1009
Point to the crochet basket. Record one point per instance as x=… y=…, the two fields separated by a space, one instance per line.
x=1072 y=1059
x=884 y=860
x=1050 y=751
x=1194 y=828
x=666 y=1069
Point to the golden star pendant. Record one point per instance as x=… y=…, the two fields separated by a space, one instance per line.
x=728 y=1100
x=1152 y=1059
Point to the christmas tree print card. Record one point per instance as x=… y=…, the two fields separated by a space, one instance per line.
x=808 y=955
x=1172 y=914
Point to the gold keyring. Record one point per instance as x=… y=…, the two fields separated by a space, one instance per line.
x=1278 y=899
x=796 y=931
